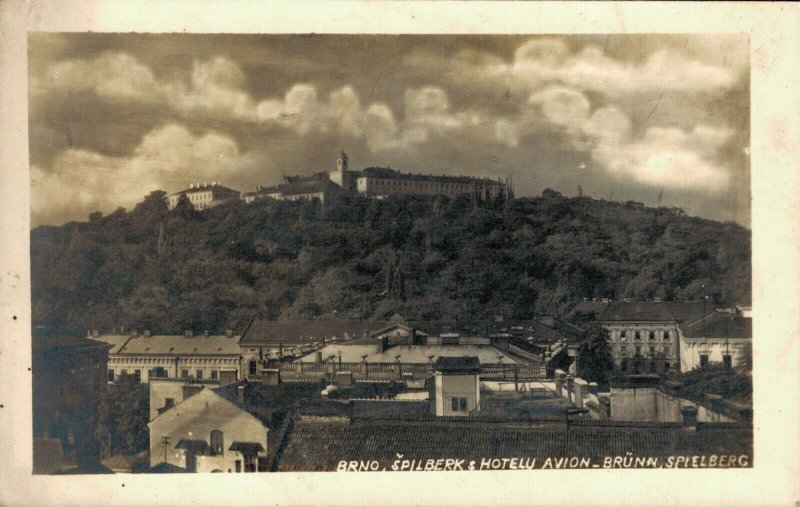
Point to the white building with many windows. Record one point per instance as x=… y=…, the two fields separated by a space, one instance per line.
x=722 y=337
x=146 y=356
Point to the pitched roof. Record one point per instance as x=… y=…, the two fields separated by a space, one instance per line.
x=320 y=447
x=307 y=331
x=247 y=448
x=181 y=345
x=117 y=341
x=647 y=311
x=719 y=325
x=689 y=311
x=215 y=188
x=463 y=364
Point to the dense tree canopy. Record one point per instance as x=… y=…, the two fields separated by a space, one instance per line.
x=423 y=258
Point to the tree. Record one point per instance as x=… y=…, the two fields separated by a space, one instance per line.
x=123 y=416
x=594 y=356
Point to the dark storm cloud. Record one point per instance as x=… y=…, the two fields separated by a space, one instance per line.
x=114 y=116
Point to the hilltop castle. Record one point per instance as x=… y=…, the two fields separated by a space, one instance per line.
x=379 y=182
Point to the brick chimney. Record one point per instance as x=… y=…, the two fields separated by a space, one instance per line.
x=188 y=333
x=146 y=333
x=229 y=333
x=205 y=332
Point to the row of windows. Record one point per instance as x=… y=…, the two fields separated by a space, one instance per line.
x=637 y=335
x=637 y=367
x=161 y=373
x=651 y=350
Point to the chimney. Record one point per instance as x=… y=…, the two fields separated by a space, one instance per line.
x=146 y=333
x=240 y=394
x=134 y=333
x=95 y=332
x=188 y=333
x=229 y=333
x=205 y=332
x=656 y=300
x=318 y=357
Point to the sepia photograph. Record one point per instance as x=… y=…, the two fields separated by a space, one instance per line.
x=381 y=252
x=481 y=257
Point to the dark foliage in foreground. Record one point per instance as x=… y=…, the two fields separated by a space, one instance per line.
x=423 y=258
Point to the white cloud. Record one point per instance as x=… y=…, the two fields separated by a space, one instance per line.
x=669 y=157
x=563 y=106
x=167 y=158
x=112 y=74
x=540 y=61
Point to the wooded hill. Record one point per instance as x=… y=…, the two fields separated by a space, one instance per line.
x=422 y=258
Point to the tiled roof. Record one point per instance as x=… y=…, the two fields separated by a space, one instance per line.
x=389 y=173
x=263 y=400
x=462 y=364
x=182 y=345
x=216 y=189
x=320 y=447
x=646 y=311
x=719 y=325
x=307 y=331
x=117 y=341
x=689 y=311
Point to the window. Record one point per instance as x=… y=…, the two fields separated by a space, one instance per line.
x=111 y=375
x=666 y=336
x=652 y=351
x=184 y=373
x=703 y=359
x=652 y=366
x=217 y=443
x=199 y=374
x=726 y=360
x=458 y=404
x=123 y=371
x=214 y=375
x=651 y=335
x=238 y=466
x=623 y=336
x=252 y=367
x=637 y=335
x=638 y=351
x=137 y=375
x=666 y=367
x=624 y=350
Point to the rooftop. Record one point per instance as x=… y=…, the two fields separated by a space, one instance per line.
x=486 y=354
x=177 y=344
x=463 y=364
x=214 y=186
x=389 y=173
x=719 y=325
x=307 y=331
x=320 y=447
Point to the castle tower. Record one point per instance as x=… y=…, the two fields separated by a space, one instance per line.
x=341 y=162
x=341 y=177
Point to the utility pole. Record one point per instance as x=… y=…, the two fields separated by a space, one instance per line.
x=165 y=443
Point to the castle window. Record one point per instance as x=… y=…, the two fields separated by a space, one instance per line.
x=637 y=335
x=651 y=335
x=666 y=335
x=111 y=375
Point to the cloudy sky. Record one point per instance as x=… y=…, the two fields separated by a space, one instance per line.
x=626 y=117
